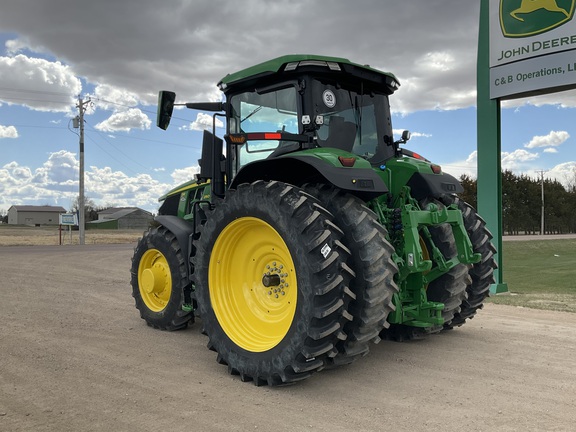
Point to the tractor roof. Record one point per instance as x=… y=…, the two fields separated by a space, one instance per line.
x=291 y=62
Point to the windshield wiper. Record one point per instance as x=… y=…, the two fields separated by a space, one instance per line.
x=252 y=113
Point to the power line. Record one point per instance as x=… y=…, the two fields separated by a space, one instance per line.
x=117 y=149
x=112 y=156
x=123 y=105
x=17 y=90
x=38 y=126
x=68 y=102
x=136 y=106
x=153 y=140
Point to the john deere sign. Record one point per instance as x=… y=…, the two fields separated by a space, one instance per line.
x=522 y=18
x=532 y=47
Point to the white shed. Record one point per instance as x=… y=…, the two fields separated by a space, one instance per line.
x=35 y=215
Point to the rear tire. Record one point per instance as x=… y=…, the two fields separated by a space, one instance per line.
x=481 y=273
x=371 y=260
x=271 y=283
x=158 y=279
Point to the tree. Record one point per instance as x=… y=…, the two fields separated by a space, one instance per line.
x=522 y=203
x=90 y=212
x=470 y=194
x=557 y=208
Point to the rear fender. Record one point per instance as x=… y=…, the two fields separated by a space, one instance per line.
x=183 y=231
x=297 y=170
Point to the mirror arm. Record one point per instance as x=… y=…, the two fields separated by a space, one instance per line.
x=205 y=106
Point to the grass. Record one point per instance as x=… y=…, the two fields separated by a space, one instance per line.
x=22 y=235
x=540 y=274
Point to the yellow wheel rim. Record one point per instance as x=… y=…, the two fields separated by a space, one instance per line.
x=154 y=280
x=252 y=283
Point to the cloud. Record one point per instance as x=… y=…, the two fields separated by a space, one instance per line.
x=140 y=53
x=16 y=46
x=398 y=132
x=38 y=84
x=21 y=185
x=128 y=47
x=553 y=139
x=112 y=98
x=564 y=99
x=8 y=132
x=203 y=122
x=437 y=61
x=565 y=173
x=184 y=174
x=457 y=168
x=124 y=121
x=516 y=159
x=56 y=182
x=60 y=169
x=550 y=150
x=107 y=185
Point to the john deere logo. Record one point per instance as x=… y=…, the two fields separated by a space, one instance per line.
x=523 y=18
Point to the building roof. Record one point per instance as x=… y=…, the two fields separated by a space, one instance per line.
x=114 y=210
x=119 y=212
x=45 y=209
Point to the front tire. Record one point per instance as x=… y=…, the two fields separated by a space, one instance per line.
x=271 y=283
x=158 y=279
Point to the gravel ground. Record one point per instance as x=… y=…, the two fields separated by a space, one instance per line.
x=75 y=356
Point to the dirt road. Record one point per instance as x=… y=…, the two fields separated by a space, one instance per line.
x=75 y=356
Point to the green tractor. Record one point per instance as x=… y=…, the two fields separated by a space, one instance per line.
x=309 y=232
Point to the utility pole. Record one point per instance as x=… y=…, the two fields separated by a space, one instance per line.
x=542 y=211
x=81 y=211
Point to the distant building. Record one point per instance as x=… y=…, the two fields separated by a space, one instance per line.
x=122 y=218
x=35 y=215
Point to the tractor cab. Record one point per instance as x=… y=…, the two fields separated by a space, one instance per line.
x=298 y=102
x=300 y=118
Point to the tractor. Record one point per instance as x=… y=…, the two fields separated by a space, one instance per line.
x=309 y=233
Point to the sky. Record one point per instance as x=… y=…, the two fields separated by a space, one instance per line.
x=119 y=54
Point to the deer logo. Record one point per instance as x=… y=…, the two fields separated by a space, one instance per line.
x=524 y=18
x=529 y=6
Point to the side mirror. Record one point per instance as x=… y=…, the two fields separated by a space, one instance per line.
x=165 y=107
x=406 y=136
